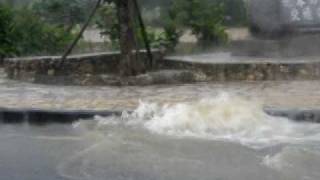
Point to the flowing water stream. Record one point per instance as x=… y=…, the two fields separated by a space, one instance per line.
x=223 y=137
x=175 y=132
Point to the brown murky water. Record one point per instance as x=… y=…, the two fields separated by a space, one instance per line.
x=220 y=138
x=278 y=94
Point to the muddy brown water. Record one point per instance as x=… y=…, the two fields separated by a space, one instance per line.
x=277 y=94
x=154 y=146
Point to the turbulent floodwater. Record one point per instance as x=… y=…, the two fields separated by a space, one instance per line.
x=225 y=137
x=224 y=117
x=175 y=132
x=287 y=94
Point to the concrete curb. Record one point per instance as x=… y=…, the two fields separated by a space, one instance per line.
x=42 y=116
x=299 y=115
x=247 y=69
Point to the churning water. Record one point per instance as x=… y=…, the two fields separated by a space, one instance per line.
x=224 y=117
x=224 y=137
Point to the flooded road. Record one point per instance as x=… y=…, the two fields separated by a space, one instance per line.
x=277 y=94
x=175 y=132
x=180 y=142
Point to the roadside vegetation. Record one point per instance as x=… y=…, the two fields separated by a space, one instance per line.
x=46 y=27
x=22 y=32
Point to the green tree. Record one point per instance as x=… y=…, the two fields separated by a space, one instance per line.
x=204 y=17
x=24 y=33
x=7 y=38
x=38 y=37
x=107 y=21
x=65 y=13
x=236 y=12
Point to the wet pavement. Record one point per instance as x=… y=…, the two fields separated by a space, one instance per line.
x=222 y=57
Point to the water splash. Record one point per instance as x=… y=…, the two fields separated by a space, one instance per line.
x=224 y=117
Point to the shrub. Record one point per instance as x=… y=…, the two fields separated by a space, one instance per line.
x=7 y=38
x=24 y=33
x=38 y=37
x=65 y=13
x=159 y=38
x=236 y=12
x=205 y=19
x=108 y=23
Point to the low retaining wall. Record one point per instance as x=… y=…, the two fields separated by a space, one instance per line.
x=39 y=117
x=1 y=61
x=249 y=71
x=101 y=69
x=77 y=69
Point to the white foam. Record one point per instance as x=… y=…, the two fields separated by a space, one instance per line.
x=224 y=117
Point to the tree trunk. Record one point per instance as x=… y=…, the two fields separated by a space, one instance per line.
x=129 y=64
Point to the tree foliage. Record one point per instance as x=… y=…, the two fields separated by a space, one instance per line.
x=107 y=21
x=7 y=38
x=205 y=18
x=65 y=13
x=24 y=33
x=236 y=12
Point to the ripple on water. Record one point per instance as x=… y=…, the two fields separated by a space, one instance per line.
x=296 y=162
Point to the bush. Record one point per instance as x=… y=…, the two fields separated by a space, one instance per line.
x=205 y=18
x=107 y=21
x=159 y=38
x=24 y=33
x=236 y=12
x=65 y=13
x=7 y=38
x=171 y=27
x=38 y=37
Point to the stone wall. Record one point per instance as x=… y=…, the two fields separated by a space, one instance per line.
x=101 y=69
x=42 y=116
x=1 y=61
x=249 y=71
x=78 y=69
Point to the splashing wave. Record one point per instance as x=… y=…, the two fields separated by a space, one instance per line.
x=224 y=117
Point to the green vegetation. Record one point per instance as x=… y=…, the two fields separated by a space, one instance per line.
x=64 y=13
x=7 y=38
x=204 y=18
x=236 y=12
x=36 y=27
x=108 y=23
x=159 y=38
x=207 y=19
x=24 y=33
